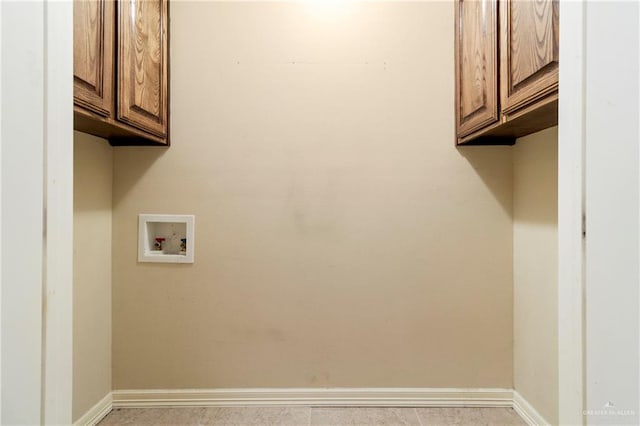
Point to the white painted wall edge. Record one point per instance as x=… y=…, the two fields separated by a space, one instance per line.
x=527 y=412
x=343 y=397
x=22 y=193
x=97 y=412
x=571 y=188
x=612 y=210
x=0 y=216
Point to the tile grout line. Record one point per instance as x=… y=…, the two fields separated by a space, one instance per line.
x=203 y=415
x=415 y=410
x=310 y=408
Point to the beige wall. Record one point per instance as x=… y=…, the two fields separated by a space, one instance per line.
x=341 y=239
x=93 y=163
x=535 y=258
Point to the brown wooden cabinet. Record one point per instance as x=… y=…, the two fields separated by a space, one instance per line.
x=529 y=55
x=477 y=64
x=142 y=65
x=121 y=64
x=93 y=55
x=526 y=100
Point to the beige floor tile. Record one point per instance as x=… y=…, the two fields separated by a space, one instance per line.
x=240 y=416
x=321 y=416
x=469 y=417
x=186 y=416
x=374 y=416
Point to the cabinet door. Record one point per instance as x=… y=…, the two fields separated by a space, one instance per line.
x=476 y=64
x=142 y=64
x=529 y=52
x=93 y=22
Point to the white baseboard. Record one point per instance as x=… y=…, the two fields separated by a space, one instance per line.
x=97 y=412
x=336 y=397
x=527 y=412
x=344 y=397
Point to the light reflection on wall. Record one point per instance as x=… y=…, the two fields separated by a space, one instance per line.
x=329 y=10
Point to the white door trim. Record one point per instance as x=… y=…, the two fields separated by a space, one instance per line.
x=36 y=193
x=58 y=278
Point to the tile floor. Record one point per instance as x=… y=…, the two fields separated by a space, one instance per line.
x=304 y=416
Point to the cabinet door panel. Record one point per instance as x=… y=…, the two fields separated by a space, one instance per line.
x=476 y=64
x=529 y=51
x=93 y=55
x=142 y=64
